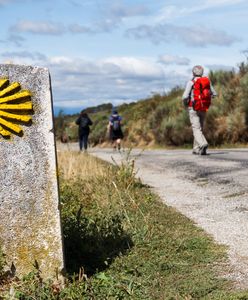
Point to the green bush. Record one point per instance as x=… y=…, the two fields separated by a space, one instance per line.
x=99 y=129
x=221 y=77
x=244 y=97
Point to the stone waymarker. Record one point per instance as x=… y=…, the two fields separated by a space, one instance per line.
x=30 y=229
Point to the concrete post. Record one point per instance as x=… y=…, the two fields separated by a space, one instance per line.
x=30 y=229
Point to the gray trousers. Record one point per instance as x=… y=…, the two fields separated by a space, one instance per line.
x=197 y=120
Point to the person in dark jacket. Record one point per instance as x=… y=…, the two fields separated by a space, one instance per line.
x=84 y=123
x=115 y=131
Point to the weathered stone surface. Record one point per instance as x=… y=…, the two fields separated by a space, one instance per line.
x=30 y=228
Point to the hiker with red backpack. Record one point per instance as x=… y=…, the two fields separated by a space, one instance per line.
x=115 y=131
x=197 y=98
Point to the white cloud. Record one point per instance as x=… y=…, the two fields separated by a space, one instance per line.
x=125 y=11
x=106 y=25
x=130 y=66
x=190 y=36
x=223 y=2
x=171 y=12
x=47 y=28
x=173 y=59
x=14 y=39
x=112 y=17
x=78 y=82
x=114 y=79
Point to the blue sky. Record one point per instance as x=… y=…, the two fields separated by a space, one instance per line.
x=102 y=51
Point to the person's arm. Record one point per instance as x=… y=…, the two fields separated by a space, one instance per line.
x=109 y=126
x=187 y=93
x=213 y=92
x=78 y=120
x=110 y=121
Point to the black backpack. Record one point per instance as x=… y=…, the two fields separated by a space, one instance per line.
x=84 y=122
x=116 y=123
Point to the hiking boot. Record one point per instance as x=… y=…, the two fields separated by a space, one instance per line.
x=203 y=150
x=195 y=152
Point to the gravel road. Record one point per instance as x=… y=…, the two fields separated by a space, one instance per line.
x=211 y=190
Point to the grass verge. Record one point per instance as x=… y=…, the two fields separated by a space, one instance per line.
x=122 y=242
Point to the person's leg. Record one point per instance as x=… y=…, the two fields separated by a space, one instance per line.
x=202 y=116
x=80 y=142
x=196 y=120
x=86 y=141
x=196 y=147
x=118 y=142
x=114 y=143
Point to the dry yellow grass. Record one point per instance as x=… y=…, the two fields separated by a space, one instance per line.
x=98 y=181
x=74 y=165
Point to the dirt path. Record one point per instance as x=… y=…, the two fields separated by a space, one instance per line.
x=211 y=190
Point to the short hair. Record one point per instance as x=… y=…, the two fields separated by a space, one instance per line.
x=197 y=70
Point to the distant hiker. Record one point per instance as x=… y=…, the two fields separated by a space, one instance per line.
x=115 y=131
x=197 y=98
x=83 y=122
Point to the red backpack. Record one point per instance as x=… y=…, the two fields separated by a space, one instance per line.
x=202 y=94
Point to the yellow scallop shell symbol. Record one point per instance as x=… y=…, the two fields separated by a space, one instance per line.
x=15 y=108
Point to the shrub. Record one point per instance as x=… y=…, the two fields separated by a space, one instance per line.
x=236 y=127
x=244 y=97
